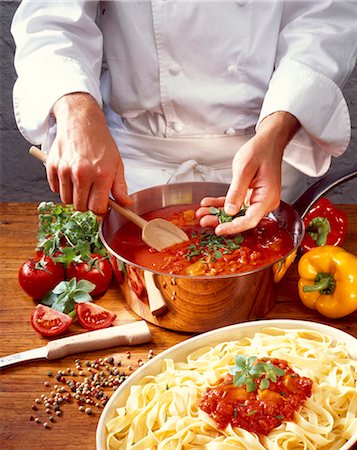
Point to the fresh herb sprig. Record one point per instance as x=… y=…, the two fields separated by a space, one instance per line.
x=223 y=217
x=210 y=244
x=68 y=235
x=67 y=293
x=246 y=371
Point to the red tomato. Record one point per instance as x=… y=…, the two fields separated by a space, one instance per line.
x=39 y=275
x=94 y=317
x=48 y=321
x=98 y=271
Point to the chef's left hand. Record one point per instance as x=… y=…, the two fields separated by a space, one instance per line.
x=256 y=180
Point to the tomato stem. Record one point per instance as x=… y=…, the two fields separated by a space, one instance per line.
x=72 y=313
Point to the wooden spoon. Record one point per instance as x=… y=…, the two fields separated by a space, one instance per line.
x=157 y=233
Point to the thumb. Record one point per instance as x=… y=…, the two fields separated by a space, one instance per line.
x=236 y=194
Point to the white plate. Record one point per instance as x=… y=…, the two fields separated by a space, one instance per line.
x=180 y=351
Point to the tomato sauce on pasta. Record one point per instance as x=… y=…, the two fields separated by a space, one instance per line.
x=261 y=410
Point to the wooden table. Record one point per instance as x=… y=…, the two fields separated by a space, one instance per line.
x=21 y=385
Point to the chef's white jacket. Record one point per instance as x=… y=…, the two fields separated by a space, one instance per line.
x=184 y=84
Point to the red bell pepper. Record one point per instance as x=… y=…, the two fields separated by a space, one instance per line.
x=324 y=225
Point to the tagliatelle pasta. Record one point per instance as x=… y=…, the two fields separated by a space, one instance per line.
x=162 y=412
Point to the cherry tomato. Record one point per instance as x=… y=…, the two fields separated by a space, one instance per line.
x=94 y=317
x=39 y=275
x=98 y=271
x=49 y=322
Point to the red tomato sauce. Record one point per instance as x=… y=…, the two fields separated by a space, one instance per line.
x=259 y=411
x=205 y=253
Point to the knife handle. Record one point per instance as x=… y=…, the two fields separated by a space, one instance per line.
x=128 y=334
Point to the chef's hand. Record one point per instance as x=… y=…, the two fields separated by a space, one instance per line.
x=256 y=179
x=84 y=164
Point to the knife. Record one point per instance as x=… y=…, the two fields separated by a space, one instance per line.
x=129 y=334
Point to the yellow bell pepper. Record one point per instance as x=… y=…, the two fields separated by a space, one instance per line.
x=328 y=281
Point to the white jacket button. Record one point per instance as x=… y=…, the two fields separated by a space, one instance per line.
x=174 y=69
x=230 y=132
x=232 y=69
x=178 y=127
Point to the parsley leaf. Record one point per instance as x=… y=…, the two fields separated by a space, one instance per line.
x=68 y=235
x=213 y=246
x=223 y=217
x=246 y=370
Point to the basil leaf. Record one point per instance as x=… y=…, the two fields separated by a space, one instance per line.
x=81 y=297
x=49 y=298
x=264 y=384
x=60 y=288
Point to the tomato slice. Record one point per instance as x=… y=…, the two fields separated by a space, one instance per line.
x=94 y=317
x=49 y=322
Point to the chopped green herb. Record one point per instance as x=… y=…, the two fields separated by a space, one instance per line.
x=223 y=216
x=279 y=416
x=210 y=244
x=246 y=370
x=251 y=413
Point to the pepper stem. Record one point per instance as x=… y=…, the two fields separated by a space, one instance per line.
x=325 y=283
x=318 y=229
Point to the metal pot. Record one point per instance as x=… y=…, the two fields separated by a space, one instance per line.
x=197 y=304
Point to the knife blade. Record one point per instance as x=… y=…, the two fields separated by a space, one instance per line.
x=129 y=334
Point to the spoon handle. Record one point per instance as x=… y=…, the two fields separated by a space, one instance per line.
x=126 y=212
x=38 y=154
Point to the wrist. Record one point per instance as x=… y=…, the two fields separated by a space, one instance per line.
x=280 y=127
x=75 y=103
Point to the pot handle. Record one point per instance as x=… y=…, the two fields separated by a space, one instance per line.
x=329 y=181
x=157 y=302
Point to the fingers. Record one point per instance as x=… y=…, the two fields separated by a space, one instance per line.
x=59 y=180
x=86 y=187
x=213 y=201
x=237 y=192
x=52 y=178
x=208 y=202
x=252 y=217
x=209 y=220
x=119 y=188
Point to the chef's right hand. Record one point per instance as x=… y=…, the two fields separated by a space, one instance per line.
x=84 y=163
